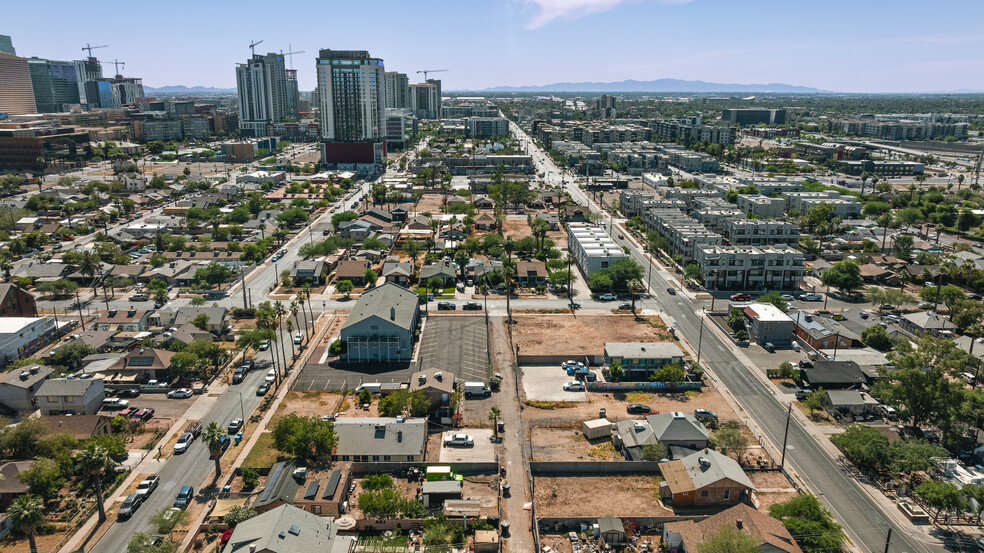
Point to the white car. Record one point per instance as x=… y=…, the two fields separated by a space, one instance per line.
x=574 y=386
x=271 y=375
x=812 y=297
x=459 y=440
x=183 y=442
x=180 y=393
x=608 y=297
x=297 y=338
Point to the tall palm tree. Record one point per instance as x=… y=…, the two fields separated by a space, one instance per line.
x=307 y=299
x=89 y=265
x=93 y=462
x=264 y=320
x=300 y=305
x=294 y=308
x=435 y=225
x=280 y=311
x=27 y=513
x=634 y=286
x=864 y=178
x=212 y=436
x=494 y=415
x=290 y=333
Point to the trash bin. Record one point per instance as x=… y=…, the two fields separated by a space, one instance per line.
x=239 y=437
x=601 y=413
x=505 y=489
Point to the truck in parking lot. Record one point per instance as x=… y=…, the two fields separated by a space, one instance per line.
x=477 y=389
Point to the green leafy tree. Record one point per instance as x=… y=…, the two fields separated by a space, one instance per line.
x=670 y=372
x=811 y=525
x=775 y=298
x=305 y=437
x=844 y=275
x=201 y=321
x=71 y=356
x=814 y=400
x=345 y=287
x=729 y=539
x=44 y=478
x=404 y=402
x=167 y=519
x=730 y=439
x=654 y=451
x=942 y=496
x=238 y=514
x=141 y=542
x=877 y=337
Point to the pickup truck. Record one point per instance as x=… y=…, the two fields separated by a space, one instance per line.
x=147 y=487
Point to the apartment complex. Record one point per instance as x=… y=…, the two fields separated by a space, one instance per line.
x=55 y=83
x=934 y=126
x=758 y=232
x=261 y=84
x=761 y=207
x=754 y=116
x=691 y=130
x=351 y=92
x=592 y=247
x=684 y=234
x=486 y=127
x=397 y=90
x=750 y=267
x=845 y=207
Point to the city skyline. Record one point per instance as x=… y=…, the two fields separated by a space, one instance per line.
x=837 y=46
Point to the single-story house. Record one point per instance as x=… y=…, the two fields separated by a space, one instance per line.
x=353 y=270
x=287 y=529
x=445 y=270
x=380 y=439
x=318 y=492
x=849 y=402
x=531 y=273
x=398 y=272
x=314 y=270
x=188 y=333
x=686 y=536
x=81 y=426
x=823 y=333
x=436 y=385
x=483 y=202
x=170 y=317
x=552 y=219
x=834 y=375
x=485 y=221
x=140 y=364
x=925 y=321
x=704 y=478
x=671 y=429
x=130 y=320
x=10 y=485
x=577 y=214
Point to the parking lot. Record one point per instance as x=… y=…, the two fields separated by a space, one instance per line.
x=457 y=344
x=546 y=383
x=166 y=410
x=322 y=376
x=482 y=452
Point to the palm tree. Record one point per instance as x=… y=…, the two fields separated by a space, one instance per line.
x=89 y=265
x=294 y=308
x=264 y=320
x=93 y=462
x=281 y=311
x=634 y=286
x=212 y=436
x=307 y=296
x=412 y=248
x=508 y=246
x=435 y=225
x=299 y=304
x=494 y=415
x=27 y=513
x=864 y=178
x=290 y=332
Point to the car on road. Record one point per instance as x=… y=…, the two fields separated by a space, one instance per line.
x=180 y=393
x=139 y=297
x=271 y=376
x=238 y=376
x=607 y=297
x=235 y=426
x=185 y=495
x=262 y=389
x=184 y=442
x=471 y=306
x=671 y=291
x=625 y=306
x=574 y=305
x=276 y=257
x=130 y=506
x=264 y=345
x=741 y=296
x=812 y=297
x=446 y=306
x=637 y=408
x=297 y=338
x=224 y=442
x=620 y=237
x=574 y=386
x=147 y=486
x=463 y=440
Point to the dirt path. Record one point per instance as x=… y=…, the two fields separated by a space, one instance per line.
x=512 y=453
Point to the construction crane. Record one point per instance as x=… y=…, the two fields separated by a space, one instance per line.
x=90 y=48
x=253 y=45
x=117 y=64
x=426 y=71
x=291 y=54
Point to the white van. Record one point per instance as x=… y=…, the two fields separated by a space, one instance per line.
x=373 y=387
x=477 y=389
x=969 y=377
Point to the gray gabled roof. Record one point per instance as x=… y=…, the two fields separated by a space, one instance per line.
x=677 y=427
x=444 y=269
x=285 y=529
x=400 y=268
x=380 y=436
x=390 y=302
x=65 y=387
x=717 y=468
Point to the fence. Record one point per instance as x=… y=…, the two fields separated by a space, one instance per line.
x=556 y=360
x=360 y=468
x=644 y=386
x=563 y=524
x=555 y=468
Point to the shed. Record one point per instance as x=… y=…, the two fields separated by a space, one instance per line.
x=436 y=492
x=486 y=541
x=598 y=428
x=612 y=530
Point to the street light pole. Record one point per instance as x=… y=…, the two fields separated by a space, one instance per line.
x=785 y=436
x=700 y=340
x=78 y=302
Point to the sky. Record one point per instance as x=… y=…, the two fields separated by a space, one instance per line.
x=835 y=45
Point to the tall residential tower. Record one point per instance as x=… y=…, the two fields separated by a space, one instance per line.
x=263 y=93
x=55 y=84
x=397 y=90
x=425 y=99
x=351 y=94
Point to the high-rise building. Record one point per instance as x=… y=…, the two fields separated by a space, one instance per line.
x=87 y=71
x=754 y=116
x=6 y=45
x=606 y=106
x=126 y=90
x=55 y=84
x=16 y=92
x=351 y=94
x=425 y=99
x=263 y=93
x=397 y=90
x=293 y=93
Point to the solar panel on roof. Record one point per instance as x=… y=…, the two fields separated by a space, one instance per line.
x=294 y=529
x=140 y=361
x=332 y=485
x=312 y=490
x=270 y=482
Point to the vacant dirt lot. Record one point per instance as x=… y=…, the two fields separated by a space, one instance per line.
x=771 y=488
x=598 y=496
x=583 y=334
x=311 y=403
x=556 y=444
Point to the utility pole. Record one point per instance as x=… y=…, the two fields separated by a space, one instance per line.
x=888 y=539
x=785 y=436
x=242 y=274
x=78 y=302
x=700 y=340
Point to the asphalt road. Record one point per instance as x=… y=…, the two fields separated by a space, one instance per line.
x=861 y=517
x=192 y=467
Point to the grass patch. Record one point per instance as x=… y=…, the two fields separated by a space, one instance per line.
x=692 y=393
x=637 y=397
x=818 y=417
x=549 y=405
x=603 y=452
x=263 y=453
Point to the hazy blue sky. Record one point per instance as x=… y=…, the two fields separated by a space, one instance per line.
x=843 y=45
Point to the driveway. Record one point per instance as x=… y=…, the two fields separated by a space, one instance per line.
x=482 y=452
x=546 y=383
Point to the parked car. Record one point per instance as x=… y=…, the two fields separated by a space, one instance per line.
x=128 y=412
x=459 y=440
x=180 y=393
x=625 y=306
x=769 y=347
x=571 y=364
x=130 y=506
x=741 y=296
x=574 y=386
x=144 y=414
x=812 y=297
x=704 y=414
x=264 y=345
x=787 y=297
x=235 y=426
x=637 y=408
x=114 y=403
x=224 y=442
x=805 y=364
x=607 y=297
x=147 y=486
x=472 y=306
x=801 y=394
x=446 y=306
x=183 y=443
x=184 y=497
x=128 y=392
x=271 y=375
x=671 y=291
x=262 y=389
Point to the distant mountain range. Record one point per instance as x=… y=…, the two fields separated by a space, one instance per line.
x=181 y=89
x=659 y=85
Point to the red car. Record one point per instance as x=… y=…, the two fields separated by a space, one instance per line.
x=740 y=297
x=128 y=412
x=144 y=414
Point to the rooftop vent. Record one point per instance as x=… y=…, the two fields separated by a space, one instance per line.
x=113 y=312
x=35 y=369
x=678 y=415
x=392 y=313
x=438 y=376
x=639 y=427
x=294 y=529
x=704 y=462
x=399 y=435
x=24 y=375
